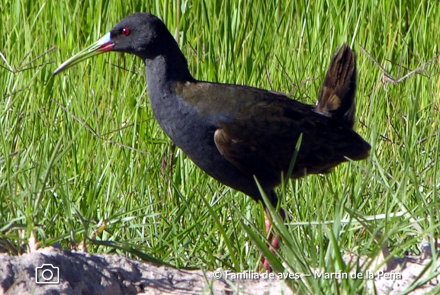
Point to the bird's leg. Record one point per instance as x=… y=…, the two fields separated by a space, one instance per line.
x=171 y=158
x=274 y=238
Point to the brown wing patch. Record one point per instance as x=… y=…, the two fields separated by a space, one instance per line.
x=247 y=157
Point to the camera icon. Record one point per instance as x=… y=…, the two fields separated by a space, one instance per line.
x=47 y=274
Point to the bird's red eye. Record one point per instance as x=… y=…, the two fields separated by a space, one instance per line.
x=125 y=32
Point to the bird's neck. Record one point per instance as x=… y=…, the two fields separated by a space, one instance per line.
x=168 y=67
x=165 y=72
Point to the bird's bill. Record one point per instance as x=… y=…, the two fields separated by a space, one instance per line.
x=102 y=45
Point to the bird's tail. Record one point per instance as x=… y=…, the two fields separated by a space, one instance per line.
x=336 y=98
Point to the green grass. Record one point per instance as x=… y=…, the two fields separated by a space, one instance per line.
x=63 y=183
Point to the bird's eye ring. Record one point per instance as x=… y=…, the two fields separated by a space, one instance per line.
x=125 y=32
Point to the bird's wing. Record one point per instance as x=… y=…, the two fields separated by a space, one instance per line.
x=263 y=142
x=256 y=130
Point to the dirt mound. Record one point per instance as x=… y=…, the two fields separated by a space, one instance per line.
x=54 y=271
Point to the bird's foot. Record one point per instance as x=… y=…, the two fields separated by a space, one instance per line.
x=274 y=245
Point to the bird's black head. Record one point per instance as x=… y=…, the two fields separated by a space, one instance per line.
x=141 y=34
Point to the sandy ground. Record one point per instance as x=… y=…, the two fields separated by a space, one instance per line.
x=54 y=271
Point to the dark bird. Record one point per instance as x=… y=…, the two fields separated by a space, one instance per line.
x=233 y=132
